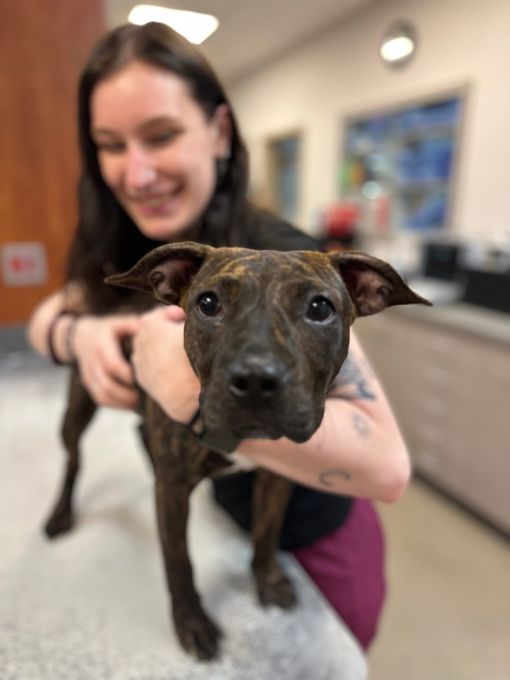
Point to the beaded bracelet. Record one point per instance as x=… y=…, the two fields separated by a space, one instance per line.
x=51 y=330
x=71 y=330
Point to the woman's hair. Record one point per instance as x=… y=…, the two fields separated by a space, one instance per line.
x=107 y=240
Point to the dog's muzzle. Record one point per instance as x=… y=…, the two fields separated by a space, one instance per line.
x=259 y=397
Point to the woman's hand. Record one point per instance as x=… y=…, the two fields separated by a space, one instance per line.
x=161 y=365
x=104 y=370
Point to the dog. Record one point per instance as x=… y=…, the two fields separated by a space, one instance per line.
x=266 y=332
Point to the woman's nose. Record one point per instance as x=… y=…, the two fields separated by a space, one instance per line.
x=139 y=170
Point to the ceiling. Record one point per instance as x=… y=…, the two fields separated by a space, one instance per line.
x=252 y=32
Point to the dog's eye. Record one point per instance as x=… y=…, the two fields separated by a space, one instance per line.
x=320 y=309
x=209 y=304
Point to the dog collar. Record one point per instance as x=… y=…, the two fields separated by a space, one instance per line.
x=221 y=442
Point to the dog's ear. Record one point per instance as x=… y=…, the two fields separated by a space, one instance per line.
x=373 y=284
x=165 y=272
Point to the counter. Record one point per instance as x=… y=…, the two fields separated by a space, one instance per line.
x=446 y=371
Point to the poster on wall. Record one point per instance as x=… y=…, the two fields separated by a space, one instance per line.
x=398 y=166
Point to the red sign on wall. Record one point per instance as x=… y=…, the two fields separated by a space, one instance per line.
x=24 y=264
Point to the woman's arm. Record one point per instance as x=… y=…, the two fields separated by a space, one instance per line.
x=161 y=365
x=357 y=450
x=69 y=297
x=94 y=342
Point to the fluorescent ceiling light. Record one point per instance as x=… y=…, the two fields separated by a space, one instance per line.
x=397 y=48
x=194 y=26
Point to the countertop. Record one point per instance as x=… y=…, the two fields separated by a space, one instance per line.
x=458 y=316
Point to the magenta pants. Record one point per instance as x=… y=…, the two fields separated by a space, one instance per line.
x=347 y=566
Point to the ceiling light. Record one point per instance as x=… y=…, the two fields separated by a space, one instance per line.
x=194 y=26
x=398 y=44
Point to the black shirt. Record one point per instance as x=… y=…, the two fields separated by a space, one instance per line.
x=310 y=514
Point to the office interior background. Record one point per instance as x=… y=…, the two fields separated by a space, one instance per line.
x=408 y=161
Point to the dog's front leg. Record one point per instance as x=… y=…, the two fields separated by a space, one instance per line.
x=197 y=633
x=270 y=499
x=80 y=411
x=175 y=479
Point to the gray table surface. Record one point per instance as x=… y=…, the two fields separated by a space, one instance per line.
x=93 y=604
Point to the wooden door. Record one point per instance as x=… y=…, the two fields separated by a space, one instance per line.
x=43 y=46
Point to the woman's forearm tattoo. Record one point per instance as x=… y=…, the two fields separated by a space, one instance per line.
x=361 y=425
x=352 y=382
x=325 y=478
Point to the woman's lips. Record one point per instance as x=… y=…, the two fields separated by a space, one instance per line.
x=156 y=205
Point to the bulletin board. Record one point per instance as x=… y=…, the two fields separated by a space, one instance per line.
x=399 y=165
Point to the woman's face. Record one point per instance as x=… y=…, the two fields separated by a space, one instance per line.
x=157 y=150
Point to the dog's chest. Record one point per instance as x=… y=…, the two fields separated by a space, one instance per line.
x=238 y=463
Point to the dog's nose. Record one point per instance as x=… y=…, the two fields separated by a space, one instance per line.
x=255 y=378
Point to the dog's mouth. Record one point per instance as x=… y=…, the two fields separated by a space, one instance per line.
x=254 y=431
x=291 y=412
x=274 y=425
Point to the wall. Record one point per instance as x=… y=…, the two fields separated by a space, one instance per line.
x=461 y=42
x=43 y=46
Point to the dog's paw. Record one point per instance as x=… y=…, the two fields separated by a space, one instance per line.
x=275 y=588
x=58 y=523
x=198 y=634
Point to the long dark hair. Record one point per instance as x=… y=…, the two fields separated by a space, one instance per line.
x=106 y=239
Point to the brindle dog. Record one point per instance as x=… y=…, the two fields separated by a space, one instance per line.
x=266 y=333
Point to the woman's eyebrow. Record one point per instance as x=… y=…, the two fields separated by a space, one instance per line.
x=147 y=125
x=158 y=120
x=101 y=132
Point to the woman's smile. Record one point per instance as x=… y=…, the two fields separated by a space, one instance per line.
x=156 y=205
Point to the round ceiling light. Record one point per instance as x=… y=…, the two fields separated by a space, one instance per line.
x=398 y=44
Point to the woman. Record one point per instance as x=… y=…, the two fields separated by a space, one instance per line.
x=163 y=161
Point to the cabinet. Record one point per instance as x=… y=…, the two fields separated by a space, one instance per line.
x=450 y=390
